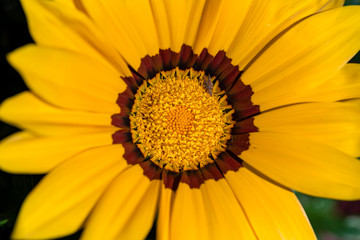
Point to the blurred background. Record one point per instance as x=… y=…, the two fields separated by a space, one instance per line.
x=331 y=220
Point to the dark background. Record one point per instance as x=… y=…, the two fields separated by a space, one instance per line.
x=332 y=220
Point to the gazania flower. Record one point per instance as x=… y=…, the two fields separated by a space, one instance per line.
x=203 y=115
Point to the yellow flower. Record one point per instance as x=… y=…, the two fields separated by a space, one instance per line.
x=203 y=115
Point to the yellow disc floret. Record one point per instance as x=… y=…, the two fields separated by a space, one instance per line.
x=180 y=120
x=179 y=123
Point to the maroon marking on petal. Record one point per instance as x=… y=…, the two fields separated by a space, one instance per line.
x=211 y=171
x=203 y=60
x=131 y=83
x=239 y=97
x=240 y=91
x=158 y=64
x=151 y=170
x=125 y=101
x=166 y=60
x=219 y=64
x=139 y=79
x=166 y=57
x=245 y=113
x=171 y=179
x=244 y=126
x=187 y=58
x=120 y=120
x=121 y=136
x=132 y=153
x=193 y=178
x=229 y=77
x=150 y=66
x=238 y=143
x=147 y=68
x=226 y=162
x=218 y=60
x=170 y=59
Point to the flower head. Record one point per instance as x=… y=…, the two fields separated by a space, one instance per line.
x=203 y=115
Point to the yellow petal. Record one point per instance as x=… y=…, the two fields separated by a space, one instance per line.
x=177 y=22
x=304 y=57
x=354 y=101
x=333 y=4
x=335 y=124
x=225 y=212
x=127 y=208
x=304 y=165
x=26 y=153
x=163 y=219
x=68 y=79
x=344 y=85
x=49 y=130
x=265 y=20
x=60 y=203
x=27 y=111
x=79 y=5
x=59 y=24
x=189 y=219
x=129 y=25
x=274 y=212
x=219 y=24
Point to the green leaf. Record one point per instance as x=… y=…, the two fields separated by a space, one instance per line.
x=3 y=222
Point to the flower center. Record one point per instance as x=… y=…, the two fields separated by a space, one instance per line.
x=180 y=120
